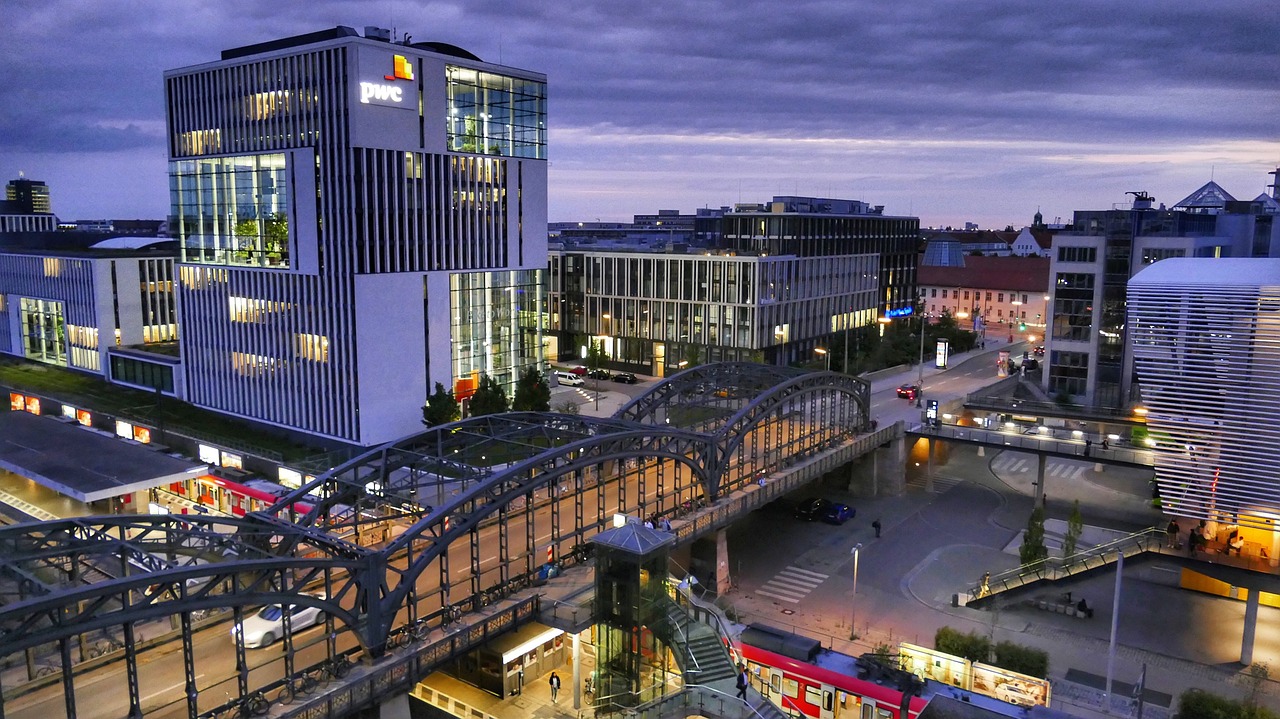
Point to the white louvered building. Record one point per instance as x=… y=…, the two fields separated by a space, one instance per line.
x=1206 y=339
x=359 y=219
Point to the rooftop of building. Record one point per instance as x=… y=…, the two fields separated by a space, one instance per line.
x=1211 y=271
x=94 y=246
x=1022 y=274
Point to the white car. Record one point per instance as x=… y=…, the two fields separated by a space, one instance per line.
x=1015 y=694
x=266 y=625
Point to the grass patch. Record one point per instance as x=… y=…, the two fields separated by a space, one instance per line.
x=98 y=395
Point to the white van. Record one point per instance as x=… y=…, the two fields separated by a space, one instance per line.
x=569 y=379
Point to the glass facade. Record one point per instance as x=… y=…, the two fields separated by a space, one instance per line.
x=143 y=374
x=497 y=326
x=232 y=210
x=1073 y=306
x=493 y=114
x=44 y=331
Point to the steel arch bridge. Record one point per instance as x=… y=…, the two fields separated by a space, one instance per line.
x=406 y=535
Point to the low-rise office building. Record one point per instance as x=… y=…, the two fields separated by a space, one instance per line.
x=782 y=279
x=85 y=309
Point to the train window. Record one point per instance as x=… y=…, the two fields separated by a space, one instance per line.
x=813 y=695
x=827 y=701
x=868 y=711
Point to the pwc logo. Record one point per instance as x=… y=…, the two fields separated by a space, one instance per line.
x=402 y=69
x=379 y=93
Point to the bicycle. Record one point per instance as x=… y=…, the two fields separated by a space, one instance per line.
x=105 y=646
x=45 y=670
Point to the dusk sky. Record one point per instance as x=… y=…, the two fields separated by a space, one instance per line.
x=981 y=110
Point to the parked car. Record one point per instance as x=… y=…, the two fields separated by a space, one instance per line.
x=625 y=378
x=599 y=374
x=838 y=513
x=579 y=370
x=811 y=509
x=569 y=379
x=261 y=628
x=908 y=391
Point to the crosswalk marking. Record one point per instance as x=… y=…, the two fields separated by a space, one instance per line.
x=1008 y=463
x=941 y=483
x=792 y=584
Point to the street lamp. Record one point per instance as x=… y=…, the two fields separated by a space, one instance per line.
x=853 y=604
x=822 y=351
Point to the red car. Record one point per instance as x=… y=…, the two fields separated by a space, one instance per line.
x=580 y=371
x=908 y=391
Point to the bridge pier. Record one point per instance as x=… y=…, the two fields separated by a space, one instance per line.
x=881 y=472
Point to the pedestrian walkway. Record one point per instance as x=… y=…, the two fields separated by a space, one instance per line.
x=792 y=584
x=941 y=483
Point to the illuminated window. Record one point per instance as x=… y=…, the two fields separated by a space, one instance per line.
x=52 y=267
x=251 y=365
x=492 y=114
x=311 y=347
x=232 y=210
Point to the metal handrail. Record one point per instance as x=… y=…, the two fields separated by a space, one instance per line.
x=1052 y=569
x=1037 y=441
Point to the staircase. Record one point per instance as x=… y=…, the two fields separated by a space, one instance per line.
x=699 y=650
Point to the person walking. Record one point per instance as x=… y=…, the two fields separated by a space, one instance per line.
x=1172 y=532
x=984 y=587
x=742 y=682
x=876 y=526
x=554 y=681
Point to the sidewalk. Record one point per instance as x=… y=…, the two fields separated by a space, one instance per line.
x=585 y=398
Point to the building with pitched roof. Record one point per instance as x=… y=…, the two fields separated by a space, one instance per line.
x=1001 y=295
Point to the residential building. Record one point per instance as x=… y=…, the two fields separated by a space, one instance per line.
x=996 y=295
x=1206 y=343
x=1090 y=360
x=97 y=310
x=359 y=218
x=759 y=295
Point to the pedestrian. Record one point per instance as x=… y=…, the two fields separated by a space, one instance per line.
x=1104 y=442
x=1088 y=443
x=1172 y=531
x=555 y=685
x=984 y=587
x=742 y=682
x=876 y=526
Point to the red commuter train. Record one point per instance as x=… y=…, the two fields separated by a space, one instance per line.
x=801 y=677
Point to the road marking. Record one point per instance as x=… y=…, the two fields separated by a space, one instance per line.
x=792 y=584
x=168 y=689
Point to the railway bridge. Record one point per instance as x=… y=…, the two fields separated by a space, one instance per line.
x=446 y=529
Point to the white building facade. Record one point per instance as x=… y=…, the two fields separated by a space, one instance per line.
x=1206 y=345
x=359 y=219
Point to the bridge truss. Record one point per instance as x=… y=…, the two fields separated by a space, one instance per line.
x=407 y=535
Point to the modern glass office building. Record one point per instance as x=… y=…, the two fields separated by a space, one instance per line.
x=360 y=218
x=1206 y=345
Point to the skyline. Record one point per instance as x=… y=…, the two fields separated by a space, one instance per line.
x=952 y=112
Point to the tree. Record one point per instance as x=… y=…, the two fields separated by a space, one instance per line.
x=276 y=236
x=533 y=394
x=692 y=356
x=441 y=407
x=568 y=407
x=489 y=397
x=1075 y=525
x=1033 y=549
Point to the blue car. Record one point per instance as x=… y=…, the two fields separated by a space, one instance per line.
x=837 y=513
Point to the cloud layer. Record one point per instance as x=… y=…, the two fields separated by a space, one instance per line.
x=980 y=110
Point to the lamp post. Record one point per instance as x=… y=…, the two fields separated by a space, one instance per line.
x=823 y=351
x=853 y=604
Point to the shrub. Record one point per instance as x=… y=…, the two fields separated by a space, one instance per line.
x=970 y=645
x=1024 y=660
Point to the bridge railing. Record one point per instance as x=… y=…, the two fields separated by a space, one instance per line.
x=1036 y=441
x=398 y=673
x=1055 y=568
